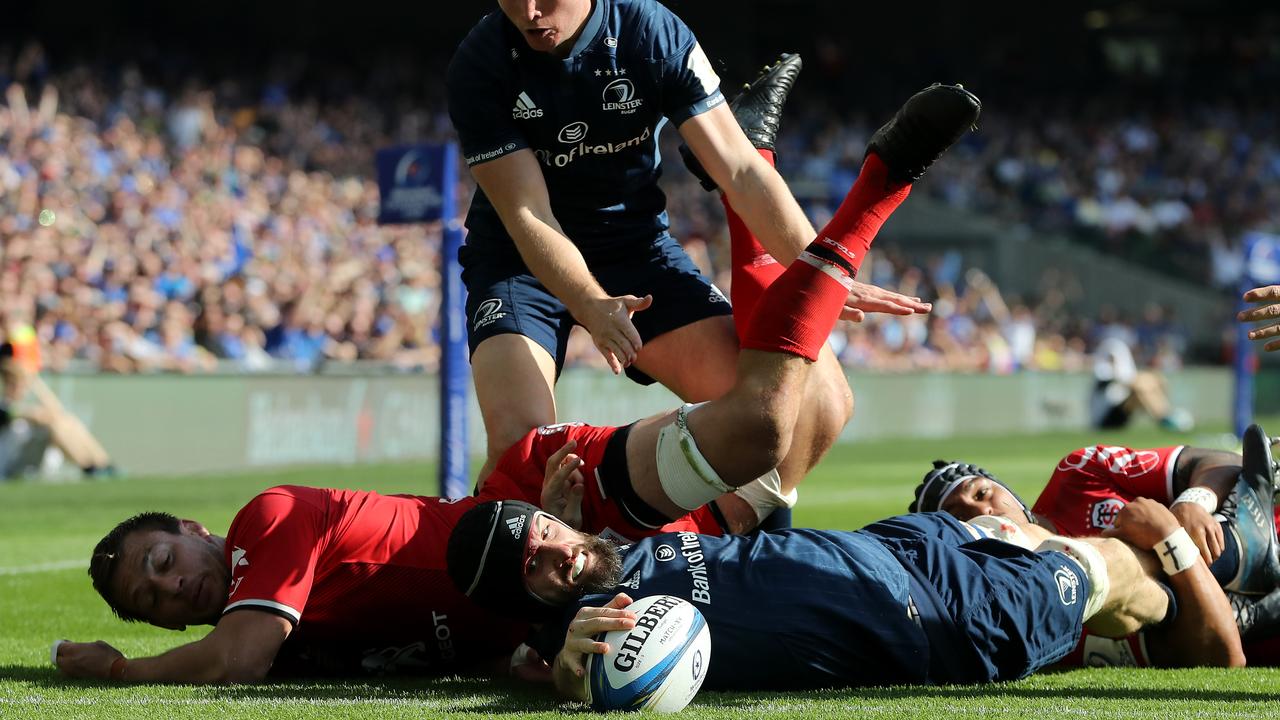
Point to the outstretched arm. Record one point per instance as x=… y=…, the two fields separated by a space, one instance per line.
x=515 y=185
x=761 y=197
x=240 y=649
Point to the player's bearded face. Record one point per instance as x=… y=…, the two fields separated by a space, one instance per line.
x=562 y=564
x=606 y=572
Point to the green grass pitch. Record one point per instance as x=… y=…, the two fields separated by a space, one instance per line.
x=46 y=532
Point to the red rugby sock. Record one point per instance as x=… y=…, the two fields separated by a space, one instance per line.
x=869 y=203
x=799 y=310
x=752 y=269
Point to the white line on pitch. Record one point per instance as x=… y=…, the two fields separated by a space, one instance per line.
x=43 y=567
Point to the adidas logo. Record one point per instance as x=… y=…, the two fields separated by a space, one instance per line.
x=525 y=109
x=632 y=582
x=516 y=526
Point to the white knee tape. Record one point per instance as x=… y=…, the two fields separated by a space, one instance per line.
x=686 y=477
x=764 y=494
x=1002 y=528
x=1093 y=564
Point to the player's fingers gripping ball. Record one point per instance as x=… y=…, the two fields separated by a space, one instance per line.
x=657 y=665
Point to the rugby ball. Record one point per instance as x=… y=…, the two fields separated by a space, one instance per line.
x=657 y=665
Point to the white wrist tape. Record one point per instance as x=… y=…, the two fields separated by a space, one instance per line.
x=519 y=657
x=53 y=652
x=1177 y=553
x=1202 y=496
x=764 y=494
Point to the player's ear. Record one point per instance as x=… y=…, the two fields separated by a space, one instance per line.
x=191 y=527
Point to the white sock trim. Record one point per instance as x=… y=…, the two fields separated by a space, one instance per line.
x=764 y=494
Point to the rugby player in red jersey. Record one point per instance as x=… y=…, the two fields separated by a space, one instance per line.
x=350 y=566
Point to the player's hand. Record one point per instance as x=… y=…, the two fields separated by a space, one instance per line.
x=87 y=660
x=528 y=665
x=1205 y=532
x=569 y=670
x=609 y=322
x=563 y=486
x=1143 y=523
x=1268 y=301
x=864 y=298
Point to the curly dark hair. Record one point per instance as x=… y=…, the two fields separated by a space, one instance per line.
x=102 y=565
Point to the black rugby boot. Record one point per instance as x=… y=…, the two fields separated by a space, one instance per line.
x=758 y=110
x=1255 y=515
x=926 y=125
x=1257 y=618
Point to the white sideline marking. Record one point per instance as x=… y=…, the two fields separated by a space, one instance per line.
x=44 y=567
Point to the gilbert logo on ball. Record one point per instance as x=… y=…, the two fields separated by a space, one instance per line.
x=657 y=665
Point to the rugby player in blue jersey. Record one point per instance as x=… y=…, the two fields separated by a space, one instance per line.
x=558 y=105
x=921 y=598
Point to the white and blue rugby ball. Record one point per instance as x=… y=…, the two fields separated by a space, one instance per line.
x=657 y=665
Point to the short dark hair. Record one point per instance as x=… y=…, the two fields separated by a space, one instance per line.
x=102 y=565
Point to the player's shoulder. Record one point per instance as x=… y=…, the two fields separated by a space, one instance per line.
x=482 y=47
x=1117 y=460
x=647 y=26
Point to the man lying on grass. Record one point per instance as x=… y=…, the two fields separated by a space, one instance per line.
x=333 y=568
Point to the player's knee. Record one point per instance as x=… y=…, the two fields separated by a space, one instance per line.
x=502 y=437
x=769 y=440
x=829 y=397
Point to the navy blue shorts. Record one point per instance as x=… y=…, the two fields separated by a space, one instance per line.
x=504 y=297
x=993 y=611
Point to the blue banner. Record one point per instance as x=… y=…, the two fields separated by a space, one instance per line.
x=411 y=183
x=1261 y=267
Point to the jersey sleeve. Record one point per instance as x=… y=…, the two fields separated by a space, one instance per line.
x=274 y=544
x=689 y=84
x=1142 y=473
x=480 y=112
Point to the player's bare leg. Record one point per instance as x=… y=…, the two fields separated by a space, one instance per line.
x=514 y=379
x=827 y=397
x=747 y=433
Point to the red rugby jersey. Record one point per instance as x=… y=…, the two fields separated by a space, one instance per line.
x=1091 y=485
x=359 y=569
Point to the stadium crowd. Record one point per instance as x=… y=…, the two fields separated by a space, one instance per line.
x=232 y=224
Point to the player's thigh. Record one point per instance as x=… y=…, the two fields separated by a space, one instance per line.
x=689 y=315
x=514 y=380
x=517 y=332
x=697 y=361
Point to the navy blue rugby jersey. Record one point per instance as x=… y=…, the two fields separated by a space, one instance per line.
x=787 y=610
x=592 y=119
